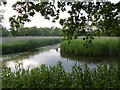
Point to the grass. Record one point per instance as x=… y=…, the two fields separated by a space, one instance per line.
x=99 y=47
x=56 y=77
x=15 y=45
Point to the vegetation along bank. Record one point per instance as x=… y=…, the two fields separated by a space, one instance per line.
x=104 y=46
x=56 y=77
x=15 y=45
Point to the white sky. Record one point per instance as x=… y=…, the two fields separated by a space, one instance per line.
x=37 y=20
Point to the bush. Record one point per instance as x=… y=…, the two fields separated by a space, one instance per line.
x=56 y=77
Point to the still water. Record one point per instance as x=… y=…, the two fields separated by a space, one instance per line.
x=50 y=56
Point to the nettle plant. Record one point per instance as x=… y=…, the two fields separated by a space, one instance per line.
x=84 y=17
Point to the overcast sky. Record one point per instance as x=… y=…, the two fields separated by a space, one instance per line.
x=37 y=20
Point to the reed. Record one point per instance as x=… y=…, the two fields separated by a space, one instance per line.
x=99 y=47
x=16 y=45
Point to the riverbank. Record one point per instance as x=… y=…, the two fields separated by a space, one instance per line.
x=15 y=45
x=99 y=47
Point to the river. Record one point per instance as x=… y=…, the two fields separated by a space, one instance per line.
x=50 y=56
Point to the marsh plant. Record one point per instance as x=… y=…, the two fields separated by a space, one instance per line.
x=15 y=45
x=98 y=47
x=56 y=77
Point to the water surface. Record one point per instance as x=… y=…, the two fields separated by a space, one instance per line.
x=50 y=56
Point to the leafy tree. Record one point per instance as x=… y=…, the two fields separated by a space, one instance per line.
x=46 y=31
x=22 y=31
x=34 y=31
x=56 y=32
x=84 y=16
x=5 y=33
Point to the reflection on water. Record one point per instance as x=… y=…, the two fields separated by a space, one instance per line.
x=88 y=60
x=50 y=56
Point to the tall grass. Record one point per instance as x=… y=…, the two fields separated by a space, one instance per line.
x=99 y=47
x=25 y=44
x=56 y=77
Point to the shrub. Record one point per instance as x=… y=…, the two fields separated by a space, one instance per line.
x=56 y=77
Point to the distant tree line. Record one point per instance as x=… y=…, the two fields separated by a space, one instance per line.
x=5 y=33
x=32 y=31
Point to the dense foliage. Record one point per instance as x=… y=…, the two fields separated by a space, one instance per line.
x=20 y=45
x=83 y=16
x=5 y=33
x=56 y=77
x=104 y=46
x=87 y=18
x=34 y=31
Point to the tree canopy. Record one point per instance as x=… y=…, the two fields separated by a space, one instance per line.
x=83 y=16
